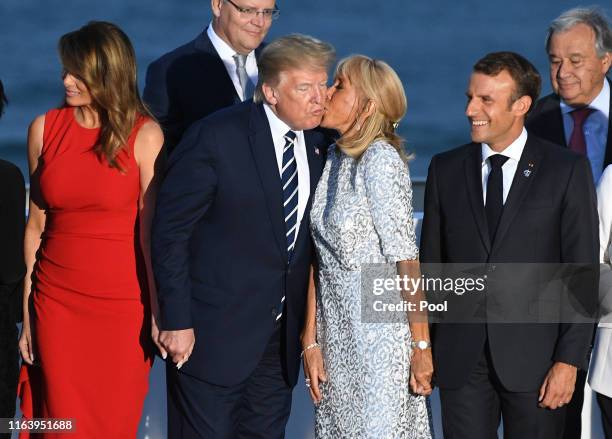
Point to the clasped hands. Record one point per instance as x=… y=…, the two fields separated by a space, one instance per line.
x=178 y=344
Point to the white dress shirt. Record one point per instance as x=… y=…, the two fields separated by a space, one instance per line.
x=595 y=129
x=226 y=53
x=513 y=152
x=279 y=129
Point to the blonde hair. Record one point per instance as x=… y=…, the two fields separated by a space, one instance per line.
x=377 y=83
x=293 y=51
x=101 y=55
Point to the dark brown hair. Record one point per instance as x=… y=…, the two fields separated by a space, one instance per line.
x=101 y=55
x=526 y=78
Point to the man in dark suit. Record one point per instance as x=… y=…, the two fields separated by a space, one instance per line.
x=232 y=250
x=507 y=197
x=214 y=71
x=12 y=270
x=577 y=113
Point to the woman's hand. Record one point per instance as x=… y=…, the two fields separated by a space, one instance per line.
x=155 y=335
x=421 y=372
x=314 y=372
x=25 y=342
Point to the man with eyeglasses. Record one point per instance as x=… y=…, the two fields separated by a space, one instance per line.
x=214 y=71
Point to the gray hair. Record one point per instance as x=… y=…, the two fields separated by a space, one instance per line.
x=593 y=17
x=291 y=52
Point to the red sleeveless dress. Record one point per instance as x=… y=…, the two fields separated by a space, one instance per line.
x=90 y=325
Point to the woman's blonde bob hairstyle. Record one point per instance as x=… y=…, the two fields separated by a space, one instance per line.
x=380 y=91
x=101 y=55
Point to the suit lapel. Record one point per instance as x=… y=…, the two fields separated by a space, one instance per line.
x=473 y=175
x=223 y=82
x=262 y=148
x=526 y=172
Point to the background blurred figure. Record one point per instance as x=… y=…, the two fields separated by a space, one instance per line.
x=600 y=374
x=86 y=335
x=215 y=70
x=577 y=114
x=12 y=270
x=369 y=380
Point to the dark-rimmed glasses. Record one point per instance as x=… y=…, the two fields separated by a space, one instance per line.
x=268 y=14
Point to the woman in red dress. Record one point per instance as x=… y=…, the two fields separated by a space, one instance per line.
x=89 y=293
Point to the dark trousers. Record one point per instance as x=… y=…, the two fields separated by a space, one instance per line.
x=9 y=361
x=605 y=405
x=573 y=418
x=474 y=410
x=257 y=408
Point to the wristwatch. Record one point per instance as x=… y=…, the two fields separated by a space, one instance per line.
x=420 y=344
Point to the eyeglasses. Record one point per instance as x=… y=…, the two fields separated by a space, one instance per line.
x=268 y=14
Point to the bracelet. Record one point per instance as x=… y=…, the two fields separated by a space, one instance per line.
x=309 y=347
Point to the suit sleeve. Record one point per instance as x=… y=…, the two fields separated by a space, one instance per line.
x=185 y=196
x=157 y=96
x=430 y=231
x=12 y=225
x=580 y=244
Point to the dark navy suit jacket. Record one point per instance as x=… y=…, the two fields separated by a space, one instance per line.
x=186 y=85
x=546 y=121
x=550 y=216
x=218 y=245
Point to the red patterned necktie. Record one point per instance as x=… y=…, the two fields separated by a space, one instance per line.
x=577 y=141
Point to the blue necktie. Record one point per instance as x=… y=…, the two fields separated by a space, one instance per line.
x=289 y=180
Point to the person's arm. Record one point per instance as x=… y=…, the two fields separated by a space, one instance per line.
x=34 y=229
x=394 y=223
x=580 y=243
x=186 y=194
x=12 y=219
x=421 y=370
x=150 y=160
x=314 y=370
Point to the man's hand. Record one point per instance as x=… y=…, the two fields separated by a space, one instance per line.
x=558 y=386
x=179 y=344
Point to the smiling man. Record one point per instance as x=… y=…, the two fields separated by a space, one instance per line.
x=507 y=197
x=577 y=115
x=214 y=71
x=232 y=251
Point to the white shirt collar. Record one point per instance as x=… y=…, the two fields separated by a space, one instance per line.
x=600 y=103
x=512 y=151
x=225 y=51
x=277 y=126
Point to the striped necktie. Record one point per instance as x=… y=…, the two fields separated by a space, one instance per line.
x=289 y=180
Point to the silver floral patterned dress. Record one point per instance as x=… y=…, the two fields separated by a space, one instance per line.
x=362 y=213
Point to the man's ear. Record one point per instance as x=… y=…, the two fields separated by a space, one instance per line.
x=606 y=62
x=522 y=105
x=215 y=6
x=269 y=94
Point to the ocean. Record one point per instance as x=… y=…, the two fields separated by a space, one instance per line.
x=432 y=45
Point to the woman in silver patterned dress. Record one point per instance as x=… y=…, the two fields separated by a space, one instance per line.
x=368 y=380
